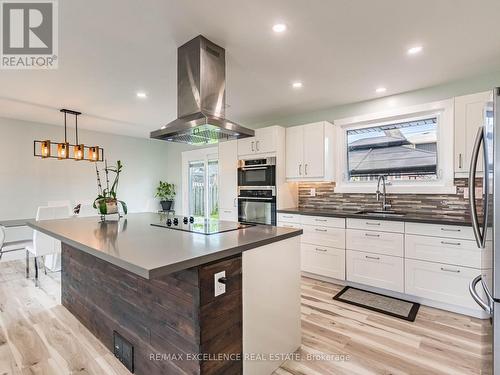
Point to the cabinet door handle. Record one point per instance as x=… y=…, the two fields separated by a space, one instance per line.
x=305 y=169
x=450 y=243
x=322 y=250
x=288 y=217
x=450 y=230
x=369 y=257
x=320 y=219
x=449 y=270
x=320 y=230
x=257 y=145
x=252 y=146
x=300 y=169
x=235 y=202
x=368 y=223
x=460 y=160
x=372 y=235
x=227 y=211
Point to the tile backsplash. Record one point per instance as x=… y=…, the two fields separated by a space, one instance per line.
x=452 y=205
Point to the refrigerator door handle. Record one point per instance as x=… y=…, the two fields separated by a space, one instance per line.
x=473 y=292
x=472 y=186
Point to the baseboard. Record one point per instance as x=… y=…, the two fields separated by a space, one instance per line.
x=480 y=314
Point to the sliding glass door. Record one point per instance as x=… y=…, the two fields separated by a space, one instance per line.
x=203 y=188
x=213 y=189
x=197 y=188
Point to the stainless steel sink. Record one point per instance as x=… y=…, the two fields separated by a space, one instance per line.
x=381 y=213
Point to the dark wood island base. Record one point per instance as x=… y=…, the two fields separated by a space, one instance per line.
x=174 y=322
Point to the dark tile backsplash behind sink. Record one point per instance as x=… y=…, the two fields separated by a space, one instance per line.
x=448 y=205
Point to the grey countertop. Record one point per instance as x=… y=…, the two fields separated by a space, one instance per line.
x=14 y=223
x=408 y=217
x=134 y=244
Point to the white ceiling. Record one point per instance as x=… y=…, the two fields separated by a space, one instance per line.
x=341 y=50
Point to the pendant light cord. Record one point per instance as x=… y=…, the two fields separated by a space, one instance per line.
x=76 y=128
x=65 y=131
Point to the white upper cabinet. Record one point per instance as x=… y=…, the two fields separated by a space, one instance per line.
x=294 y=151
x=314 y=152
x=309 y=152
x=264 y=142
x=228 y=180
x=469 y=116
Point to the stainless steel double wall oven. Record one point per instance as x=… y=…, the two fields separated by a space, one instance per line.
x=257 y=191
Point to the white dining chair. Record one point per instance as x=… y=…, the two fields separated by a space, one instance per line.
x=87 y=210
x=10 y=246
x=65 y=203
x=43 y=244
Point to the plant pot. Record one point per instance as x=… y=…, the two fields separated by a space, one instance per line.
x=107 y=206
x=167 y=205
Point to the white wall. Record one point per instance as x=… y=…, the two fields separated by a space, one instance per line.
x=27 y=182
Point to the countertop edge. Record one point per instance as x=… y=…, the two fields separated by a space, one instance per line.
x=168 y=269
x=98 y=254
x=353 y=215
x=221 y=254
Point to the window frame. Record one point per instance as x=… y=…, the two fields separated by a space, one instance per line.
x=444 y=184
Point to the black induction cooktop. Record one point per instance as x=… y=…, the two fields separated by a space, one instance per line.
x=200 y=225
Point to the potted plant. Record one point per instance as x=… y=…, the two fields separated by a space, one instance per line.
x=166 y=192
x=106 y=202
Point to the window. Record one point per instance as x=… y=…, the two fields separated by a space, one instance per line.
x=400 y=151
x=411 y=146
x=201 y=182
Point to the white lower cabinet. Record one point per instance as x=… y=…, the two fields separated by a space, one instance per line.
x=381 y=271
x=228 y=214
x=375 y=242
x=432 y=262
x=323 y=260
x=324 y=236
x=440 y=282
x=443 y=250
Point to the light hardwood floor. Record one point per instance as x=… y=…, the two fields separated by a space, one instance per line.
x=39 y=336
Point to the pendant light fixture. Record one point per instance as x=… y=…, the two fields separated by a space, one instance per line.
x=43 y=149
x=63 y=148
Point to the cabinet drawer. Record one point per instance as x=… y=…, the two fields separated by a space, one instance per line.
x=375 y=242
x=440 y=282
x=228 y=214
x=381 y=271
x=323 y=260
x=449 y=231
x=380 y=225
x=324 y=236
x=289 y=218
x=334 y=222
x=443 y=250
x=289 y=225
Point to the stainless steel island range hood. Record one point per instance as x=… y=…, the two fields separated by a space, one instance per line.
x=201 y=97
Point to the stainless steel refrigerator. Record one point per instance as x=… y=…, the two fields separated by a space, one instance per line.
x=485 y=213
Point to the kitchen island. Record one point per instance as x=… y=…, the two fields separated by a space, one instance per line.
x=174 y=302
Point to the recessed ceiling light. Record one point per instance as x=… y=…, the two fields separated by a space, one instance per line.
x=380 y=90
x=142 y=95
x=279 y=27
x=415 y=50
x=297 y=85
